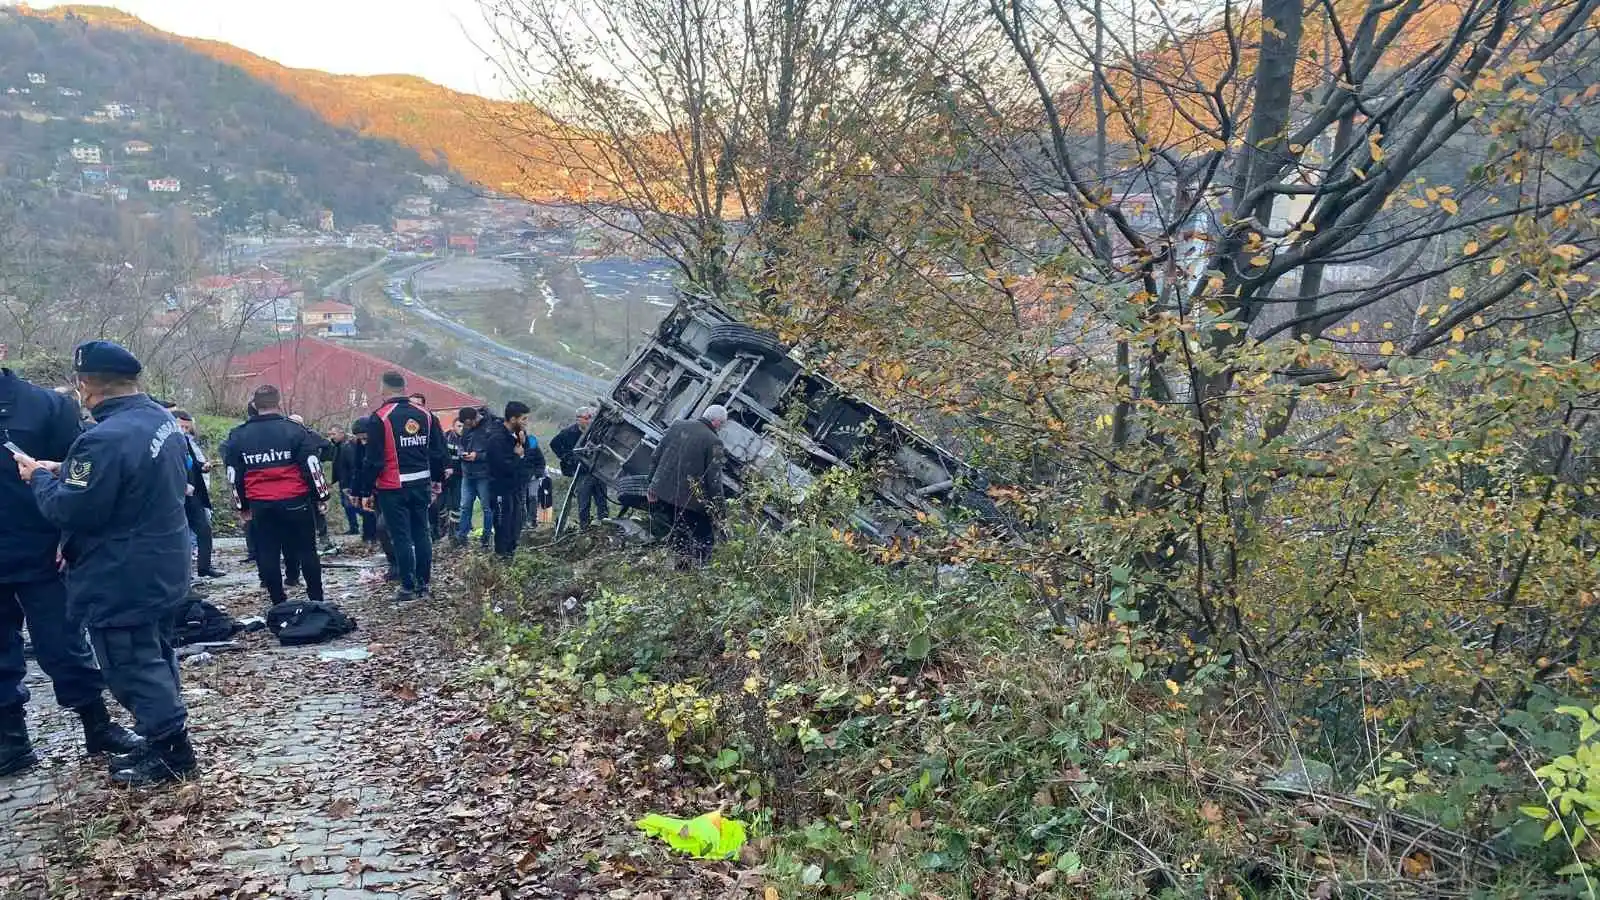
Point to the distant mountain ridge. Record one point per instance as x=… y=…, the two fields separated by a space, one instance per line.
x=486 y=141
x=131 y=122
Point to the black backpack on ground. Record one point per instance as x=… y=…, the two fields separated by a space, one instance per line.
x=200 y=621
x=300 y=622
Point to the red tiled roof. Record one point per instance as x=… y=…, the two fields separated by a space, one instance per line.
x=331 y=384
x=330 y=306
x=216 y=282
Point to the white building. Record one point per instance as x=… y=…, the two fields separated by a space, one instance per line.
x=164 y=185
x=88 y=154
x=37 y=78
x=436 y=183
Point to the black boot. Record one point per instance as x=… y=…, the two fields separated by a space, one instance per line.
x=16 y=751
x=168 y=759
x=101 y=735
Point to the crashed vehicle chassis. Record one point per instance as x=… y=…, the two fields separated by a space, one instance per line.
x=786 y=425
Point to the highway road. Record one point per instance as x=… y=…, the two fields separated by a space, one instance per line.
x=549 y=381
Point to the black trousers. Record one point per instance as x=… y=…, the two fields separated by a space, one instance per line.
x=141 y=670
x=508 y=509
x=289 y=529
x=200 y=524
x=405 y=514
x=591 y=492
x=58 y=642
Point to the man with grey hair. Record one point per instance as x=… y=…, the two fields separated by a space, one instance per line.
x=686 y=485
x=591 y=491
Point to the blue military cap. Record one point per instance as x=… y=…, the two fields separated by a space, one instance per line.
x=105 y=358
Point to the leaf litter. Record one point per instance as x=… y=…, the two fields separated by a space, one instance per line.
x=472 y=798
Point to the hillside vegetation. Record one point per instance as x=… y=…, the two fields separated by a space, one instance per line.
x=1277 y=332
x=240 y=147
x=494 y=144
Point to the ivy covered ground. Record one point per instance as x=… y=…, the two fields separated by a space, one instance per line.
x=885 y=732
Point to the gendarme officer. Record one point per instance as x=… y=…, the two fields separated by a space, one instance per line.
x=118 y=500
x=42 y=424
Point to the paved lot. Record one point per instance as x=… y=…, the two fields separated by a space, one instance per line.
x=293 y=800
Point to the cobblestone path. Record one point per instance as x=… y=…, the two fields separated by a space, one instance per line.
x=289 y=802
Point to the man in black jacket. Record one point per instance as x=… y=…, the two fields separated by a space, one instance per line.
x=475 y=475
x=197 y=500
x=325 y=454
x=402 y=470
x=344 y=475
x=276 y=472
x=505 y=452
x=531 y=470
x=591 y=491
x=43 y=424
x=686 y=485
x=118 y=500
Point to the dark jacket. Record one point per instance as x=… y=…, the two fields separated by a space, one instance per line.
x=119 y=500
x=452 y=454
x=688 y=466
x=44 y=424
x=500 y=452
x=476 y=440
x=346 y=463
x=404 y=445
x=272 y=459
x=533 y=464
x=564 y=446
x=196 y=473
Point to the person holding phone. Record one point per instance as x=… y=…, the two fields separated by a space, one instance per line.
x=117 y=497
x=35 y=423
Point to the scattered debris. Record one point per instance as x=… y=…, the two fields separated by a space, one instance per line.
x=709 y=836
x=351 y=654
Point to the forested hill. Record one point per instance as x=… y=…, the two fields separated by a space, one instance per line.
x=499 y=145
x=237 y=147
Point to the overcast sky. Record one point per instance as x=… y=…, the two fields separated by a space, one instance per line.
x=431 y=38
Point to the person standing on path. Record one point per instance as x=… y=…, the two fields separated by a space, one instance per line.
x=449 y=502
x=350 y=462
x=475 y=475
x=43 y=424
x=686 y=485
x=531 y=469
x=436 y=505
x=344 y=476
x=591 y=491
x=275 y=468
x=506 y=453
x=118 y=499
x=403 y=470
x=325 y=454
x=197 y=499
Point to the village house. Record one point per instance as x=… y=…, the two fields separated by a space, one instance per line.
x=261 y=296
x=417 y=206
x=86 y=154
x=328 y=318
